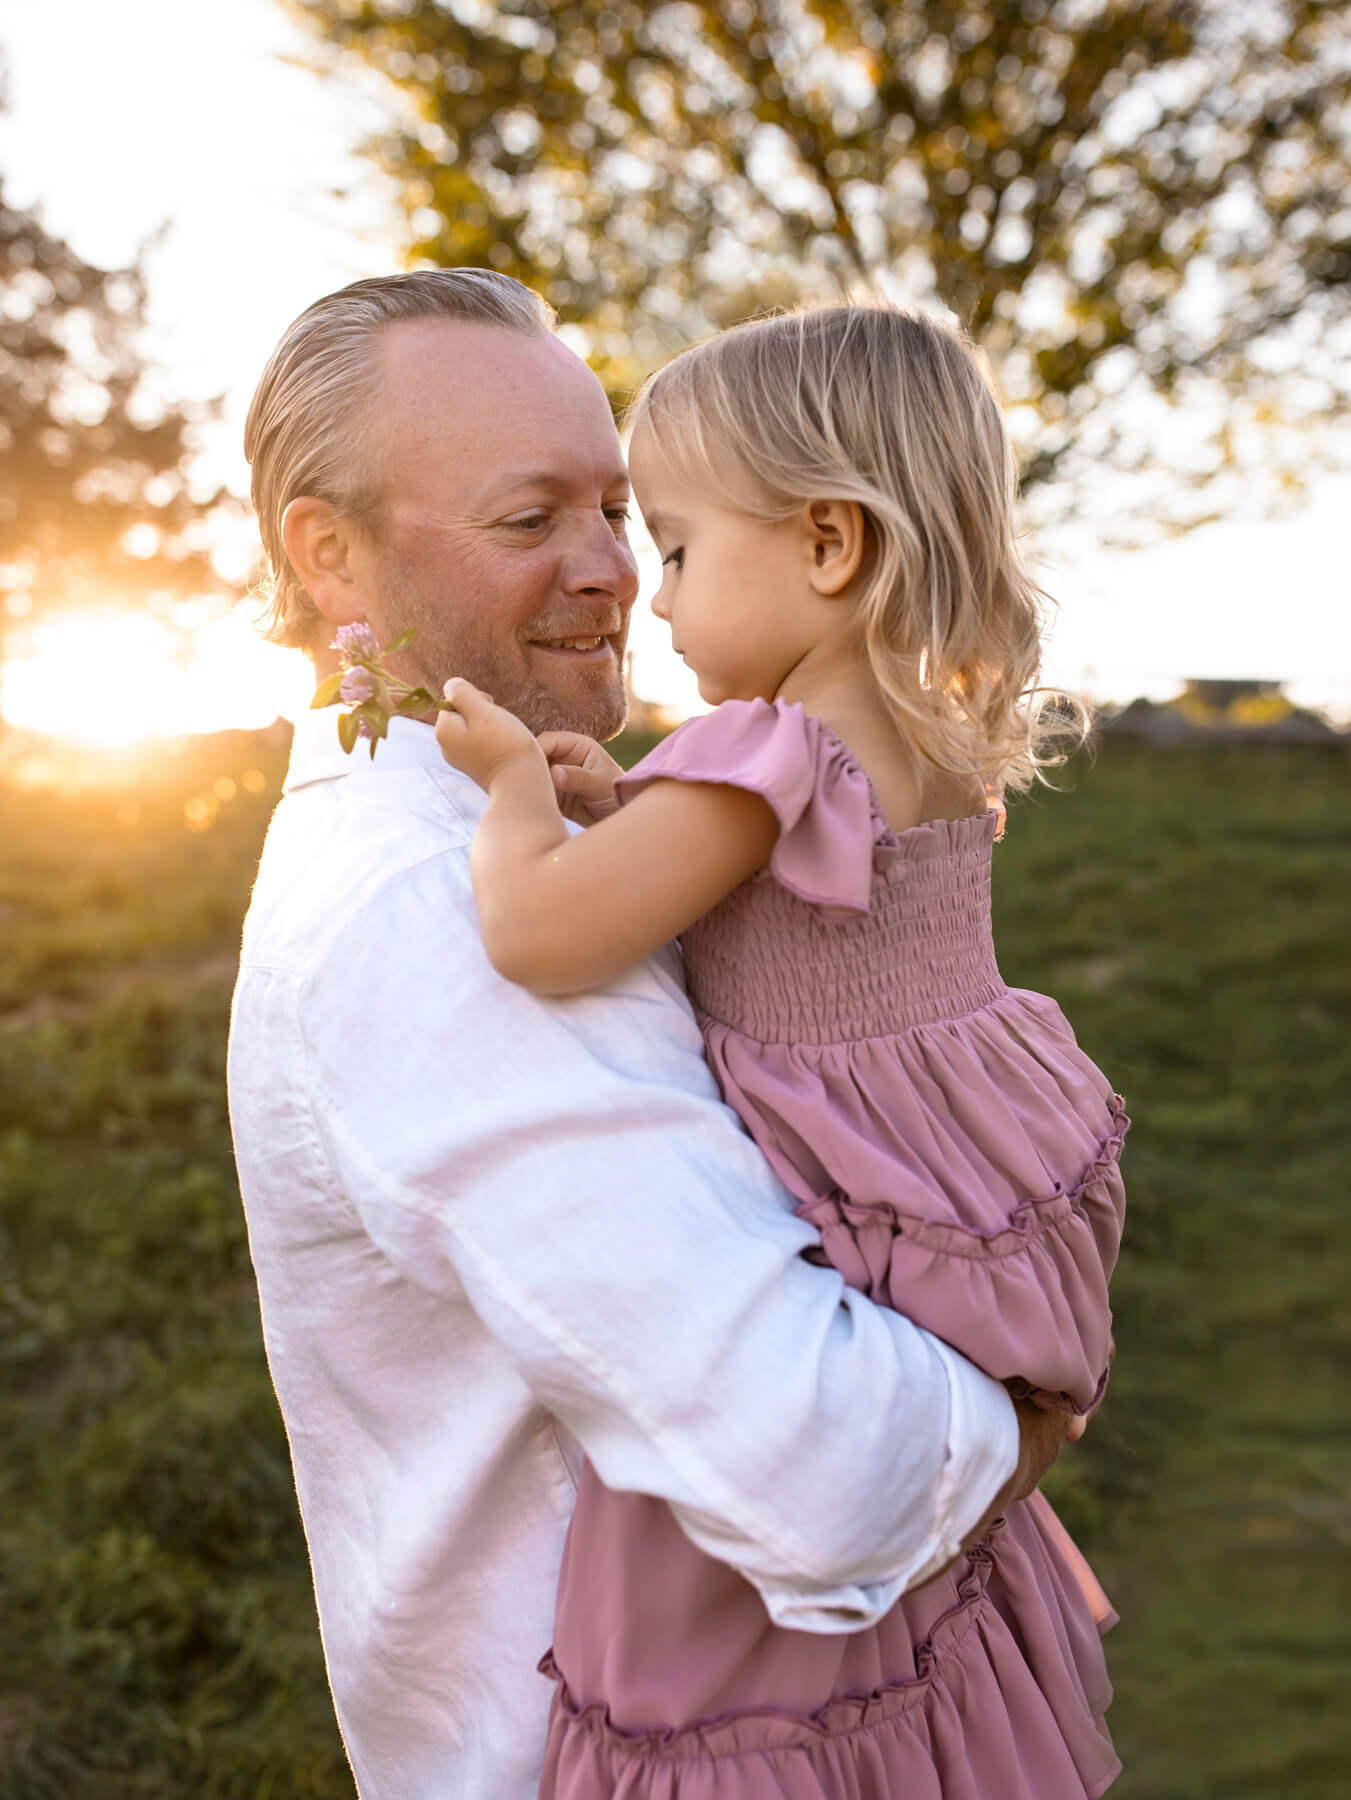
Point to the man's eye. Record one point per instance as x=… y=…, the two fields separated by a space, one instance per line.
x=676 y=557
x=617 y=515
x=532 y=522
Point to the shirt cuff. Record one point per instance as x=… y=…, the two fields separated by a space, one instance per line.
x=982 y=1454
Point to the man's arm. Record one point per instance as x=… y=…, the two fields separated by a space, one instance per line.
x=570 y=1164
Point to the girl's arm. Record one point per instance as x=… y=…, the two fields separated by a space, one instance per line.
x=559 y=912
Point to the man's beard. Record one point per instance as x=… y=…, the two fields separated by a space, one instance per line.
x=444 y=647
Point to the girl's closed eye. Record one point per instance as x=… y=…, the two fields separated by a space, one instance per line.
x=676 y=558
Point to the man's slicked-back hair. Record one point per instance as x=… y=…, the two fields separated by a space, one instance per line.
x=304 y=434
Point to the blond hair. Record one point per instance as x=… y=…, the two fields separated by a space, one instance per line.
x=891 y=410
x=305 y=426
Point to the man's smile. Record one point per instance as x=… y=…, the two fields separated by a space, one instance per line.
x=577 y=647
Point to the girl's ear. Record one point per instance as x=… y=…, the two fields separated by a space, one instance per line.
x=837 y=544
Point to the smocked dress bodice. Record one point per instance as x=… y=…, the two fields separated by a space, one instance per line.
x=781 y=969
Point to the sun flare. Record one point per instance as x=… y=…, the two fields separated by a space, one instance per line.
x=117 y=678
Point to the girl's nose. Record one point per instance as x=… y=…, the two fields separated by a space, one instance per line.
x=660 y=606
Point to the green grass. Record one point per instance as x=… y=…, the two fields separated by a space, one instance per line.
x=159 y=1639
x=1191 y=915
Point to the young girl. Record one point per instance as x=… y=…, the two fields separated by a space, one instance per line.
x=831 y=493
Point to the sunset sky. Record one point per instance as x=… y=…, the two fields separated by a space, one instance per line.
x=160 y=116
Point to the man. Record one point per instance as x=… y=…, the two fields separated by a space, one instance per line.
x=490 y=1229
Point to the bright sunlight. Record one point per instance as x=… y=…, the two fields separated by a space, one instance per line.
x=116 y=678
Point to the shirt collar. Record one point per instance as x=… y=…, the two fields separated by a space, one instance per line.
x=316 y=754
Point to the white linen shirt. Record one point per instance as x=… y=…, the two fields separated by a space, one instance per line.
x=487 y=1227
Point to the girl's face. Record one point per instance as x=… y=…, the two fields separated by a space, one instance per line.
x=734 y=589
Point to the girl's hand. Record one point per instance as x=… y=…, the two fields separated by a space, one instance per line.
x=583 y=776
x=480 y=738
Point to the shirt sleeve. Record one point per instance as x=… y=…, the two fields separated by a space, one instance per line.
x=570 y=1164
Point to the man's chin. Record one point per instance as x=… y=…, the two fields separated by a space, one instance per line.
x=598 y=715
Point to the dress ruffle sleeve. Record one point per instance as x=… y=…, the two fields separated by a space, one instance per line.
x=820 y=796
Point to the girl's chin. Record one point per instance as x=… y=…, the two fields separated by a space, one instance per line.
x=715 y=693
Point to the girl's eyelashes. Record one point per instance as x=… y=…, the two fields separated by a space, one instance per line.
x=677 y=557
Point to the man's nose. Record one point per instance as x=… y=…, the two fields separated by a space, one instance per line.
x=601 y=563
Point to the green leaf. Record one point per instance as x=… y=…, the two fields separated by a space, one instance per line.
x=401 y=642
x=348 y=728
x=416 y=700
x=327 y=691
x=955 y=133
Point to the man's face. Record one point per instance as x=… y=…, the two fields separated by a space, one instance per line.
x=502 y=529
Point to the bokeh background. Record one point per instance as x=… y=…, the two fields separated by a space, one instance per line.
x=1142 y=212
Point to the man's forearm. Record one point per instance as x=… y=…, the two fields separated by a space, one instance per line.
x=969 y=1487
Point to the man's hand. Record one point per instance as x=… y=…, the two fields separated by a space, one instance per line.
x=479 y=738
x=1041 y=1433
x=583 y=775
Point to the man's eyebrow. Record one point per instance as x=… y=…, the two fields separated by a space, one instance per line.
x=548 y=479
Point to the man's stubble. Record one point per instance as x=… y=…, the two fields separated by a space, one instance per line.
x=445 y=644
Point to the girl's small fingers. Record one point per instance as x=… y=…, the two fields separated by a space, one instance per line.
x=560 y=760
x=464 y=696
x=567 y=747
x=579 y=780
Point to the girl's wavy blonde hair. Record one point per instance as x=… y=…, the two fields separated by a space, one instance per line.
x=894 y=411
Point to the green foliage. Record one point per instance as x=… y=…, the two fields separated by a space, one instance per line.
x=159 y=1634
x=1067 y=179
x=94 y=492
x=1187 y=908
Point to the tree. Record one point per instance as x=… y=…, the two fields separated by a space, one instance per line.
x=95 y=502
x=1116 y=197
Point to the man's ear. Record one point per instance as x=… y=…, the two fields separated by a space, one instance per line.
x=837 y=544
x=320 y=541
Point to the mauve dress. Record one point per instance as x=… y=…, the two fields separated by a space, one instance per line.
x=959 y=1155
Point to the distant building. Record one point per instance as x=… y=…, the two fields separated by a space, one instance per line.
x=1221 y=696
x=1150 y=722
x=1210 y=711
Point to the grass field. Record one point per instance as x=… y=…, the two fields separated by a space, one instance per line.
x=1189 y=910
